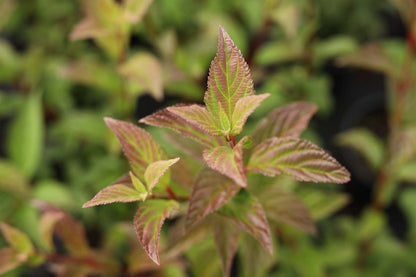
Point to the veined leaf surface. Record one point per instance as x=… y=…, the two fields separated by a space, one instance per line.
x=248 y=213
x=116 y=193
x=211 y=191
x=228 y=161
x=156 y=170
x=138 y=146
x=298 y=158
x=290 y=120
x=229 y=78
x=148 y=222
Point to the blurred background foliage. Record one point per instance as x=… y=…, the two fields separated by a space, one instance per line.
x=64 y=65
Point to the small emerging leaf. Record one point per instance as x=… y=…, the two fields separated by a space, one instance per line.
x=138 y=185
x=290 y=120
x=211 y=191
x=243 y=108
x=199 y=117
x=138 y=145
x=148 y=222
x=156 y=170
x=248 y=213
x=228 y=161
x=18 y=240
x=298 y=158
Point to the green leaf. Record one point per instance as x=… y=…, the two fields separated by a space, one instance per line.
x=243 y=108
x=199 y=117
x=166 y=119
x=119 y=193
x=54 y=192
x=284 y=206
x=11 y=179
x=249 y=215
x=228 y=161
x=25 y=141
x=18 y=240
x=155 y=171
x=226 y=239
x=365 y=143
x=229 y=78
x=134 y=10
x=371 y=224
x=9 y=259
x=146 y=71
x=407 y=172
x=298 y=158
x=138 y=145
x=148 y=221
x=290 y=120
x=211 y=191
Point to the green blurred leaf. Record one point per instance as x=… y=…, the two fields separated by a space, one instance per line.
x=54 y=193
x=9 y=60
x=25 y=140
x=12 y=180
x=18 y=240
x=372 y=223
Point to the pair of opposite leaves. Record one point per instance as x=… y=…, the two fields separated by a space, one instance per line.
x=229 y=100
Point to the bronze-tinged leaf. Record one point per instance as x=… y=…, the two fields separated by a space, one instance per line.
x=155 y=171
x=116 y=193
x=199 y=117
x=228 y=161
x=288 y=121
x=166 y=119
x=72 y=234
x=9 y=259
x=298 y=158
x=229 y=78
x=148 y=222
x=47 y=224
x=249 y=215
x=243 y=108
x=284 y=206
x=226 y=239
x=211 y=191
x=138 y=146
x=18 y=240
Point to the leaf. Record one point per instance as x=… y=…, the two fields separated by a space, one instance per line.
x=290 y=120
x=46 y=225
x=166 y=119
x=199 y=117
x=148 y=221
x=156 y=170
x=138 y=146
x=407 y=172
x=138 y=185
x=228 y=161
x=249 y=215
x=25 y=141
x=365 y=143
x=116 y=193
x=298 y=158
x=211 y=191
x=12 y=180
x=18 y=240
x=9 y=260
x=146 y=71
x=226 y=239
x=229 y=78
x=284 y=206
x=134 y=10
x=243 y=108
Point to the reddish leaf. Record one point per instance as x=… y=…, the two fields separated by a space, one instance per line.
x=228 y=161
x=249 y=215
x=226 y=238
x=211 y=191
x=72 y=234
x=298 y=158
x=289 y=120
x=116 y=193
x=148 y=221
x=138 y=145
x=165 y=118
x=229 y=78
x=47 y=224
x=284 y=206
x=199 y=117
x=243 y=108
x=10 y=259
x=18 y=240
x=155 y=171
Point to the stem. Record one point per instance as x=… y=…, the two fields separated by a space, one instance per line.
x=232 y=140
x=89 y=261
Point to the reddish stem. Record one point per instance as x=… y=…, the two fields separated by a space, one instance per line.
x=171 y=193
x=233 y=140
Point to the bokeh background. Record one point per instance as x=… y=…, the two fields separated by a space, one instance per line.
x=64 y=65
